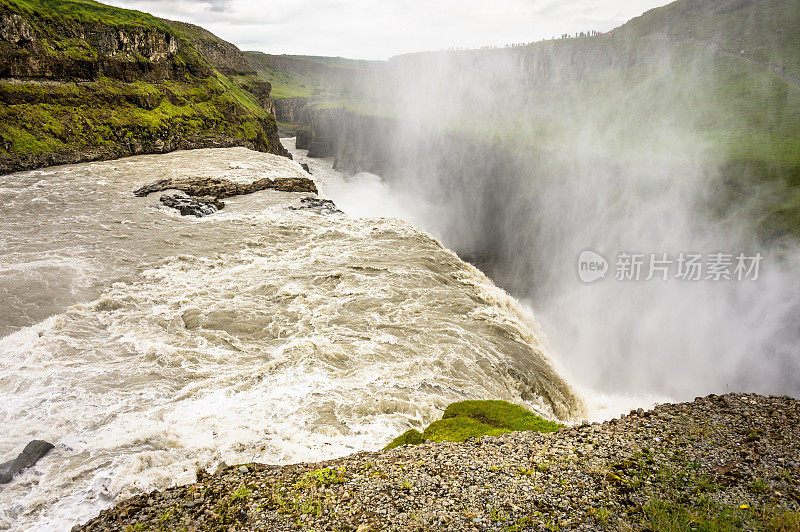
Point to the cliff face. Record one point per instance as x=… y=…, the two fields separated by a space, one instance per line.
x=83 y=81
x=223 y=56
x=293 y=110
x=358 y=143
x=121 y=53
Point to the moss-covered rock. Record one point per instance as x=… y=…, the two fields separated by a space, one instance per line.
x=472 y=419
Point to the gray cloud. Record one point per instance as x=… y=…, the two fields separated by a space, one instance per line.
x=371 y=30
x=220 y=6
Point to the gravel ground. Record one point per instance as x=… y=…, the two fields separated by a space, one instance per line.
x=731 y=460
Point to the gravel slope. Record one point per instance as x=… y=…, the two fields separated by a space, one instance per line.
x=731 y=460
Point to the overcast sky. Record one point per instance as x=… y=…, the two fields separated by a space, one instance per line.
x=369 y=29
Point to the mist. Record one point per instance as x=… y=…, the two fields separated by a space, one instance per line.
x=522 y=158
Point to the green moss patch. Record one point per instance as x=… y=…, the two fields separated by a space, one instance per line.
x=409 y=437
x=472 y=419
x=86 y=116
x=500 y=414
x=459 y=429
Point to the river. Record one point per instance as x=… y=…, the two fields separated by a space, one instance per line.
x=145 y=345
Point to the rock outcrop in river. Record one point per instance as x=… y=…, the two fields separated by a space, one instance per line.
x=191 y=205
x=224 y=188
x=200 y=196
x=32 y=453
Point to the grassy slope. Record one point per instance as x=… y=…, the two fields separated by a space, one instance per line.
x=84 y=11
x=108 y=117
x=51 y=14
x=472 y=419
x=767 y=30
x=103 y=113
x=753 y=115
x=333 y=80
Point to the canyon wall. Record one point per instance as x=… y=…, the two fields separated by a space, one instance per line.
x=85 y=81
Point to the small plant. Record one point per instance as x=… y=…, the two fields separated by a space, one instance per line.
x=497 y=515
x=753 y=435
x=311 y=507
x=603 y=515
x=706 y=485
x=786 y=521
x=522 y=523
x=242 y=493
x=324 y=476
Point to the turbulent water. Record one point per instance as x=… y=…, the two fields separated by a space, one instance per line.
x=145 y=344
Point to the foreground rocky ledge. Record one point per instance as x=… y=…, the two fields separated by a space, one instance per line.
x=720 y=462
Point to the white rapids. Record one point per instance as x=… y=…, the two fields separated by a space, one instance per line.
x=146 y=345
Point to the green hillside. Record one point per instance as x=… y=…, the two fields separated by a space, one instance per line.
x=87 y=11
x=80 y=80
x=766 y=30
x=678 y=67
x=329 y=78
x=750 y=112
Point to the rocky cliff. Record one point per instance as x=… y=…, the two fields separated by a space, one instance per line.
x=359 y=143
x=293 y=110
x=81 y=81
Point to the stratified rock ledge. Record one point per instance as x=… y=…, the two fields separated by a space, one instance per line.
x=221 y=188
x=729 y=459
x=201 y=195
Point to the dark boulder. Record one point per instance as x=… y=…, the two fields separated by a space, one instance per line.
x=318 y=205
x=192 y=206
x=305 y=167
x=32 y=453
